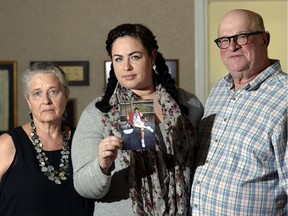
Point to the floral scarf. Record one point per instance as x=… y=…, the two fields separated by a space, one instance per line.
x=159 y=179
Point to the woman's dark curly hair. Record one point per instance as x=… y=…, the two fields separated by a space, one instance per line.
x=162 y=76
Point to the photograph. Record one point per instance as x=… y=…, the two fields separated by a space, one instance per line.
x=137 y=125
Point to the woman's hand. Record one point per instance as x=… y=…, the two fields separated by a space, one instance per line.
x=108 y=149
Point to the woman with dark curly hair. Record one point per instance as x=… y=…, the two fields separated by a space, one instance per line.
x=137 y=182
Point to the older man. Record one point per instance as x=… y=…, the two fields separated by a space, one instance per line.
x=243 y=155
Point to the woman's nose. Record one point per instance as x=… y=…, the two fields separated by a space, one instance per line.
x=127 y=66
x=46 y=99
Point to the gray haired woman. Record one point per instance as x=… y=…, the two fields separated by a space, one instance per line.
x=35 y=162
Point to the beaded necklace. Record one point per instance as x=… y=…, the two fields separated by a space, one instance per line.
x=53 y=175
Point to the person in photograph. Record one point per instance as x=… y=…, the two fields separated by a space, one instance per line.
x=36 y=173
x=137 y=120
x=137 y=182
x=242 y=168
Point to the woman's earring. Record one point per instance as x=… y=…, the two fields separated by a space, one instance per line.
x=154 y=68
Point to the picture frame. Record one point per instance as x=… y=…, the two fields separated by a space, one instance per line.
x=172 y=64
x=8 y=89
x=77 y=72
x=107 y=67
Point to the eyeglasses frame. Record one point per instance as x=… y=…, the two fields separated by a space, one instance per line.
x=235 y=37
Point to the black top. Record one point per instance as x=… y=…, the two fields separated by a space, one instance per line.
x=25 y=190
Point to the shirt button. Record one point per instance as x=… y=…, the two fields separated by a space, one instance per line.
x=207 y=161
x=233 y=99
x=225 y=119
x=198 y=182
x=195 y=205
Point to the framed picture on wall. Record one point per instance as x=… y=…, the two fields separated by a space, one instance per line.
x=171 y=63
x=173 y=69
x=107 y=68
x=8 y=89
x=77 y=72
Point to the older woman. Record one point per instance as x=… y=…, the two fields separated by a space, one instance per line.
x=35 y=163
x=141 y=182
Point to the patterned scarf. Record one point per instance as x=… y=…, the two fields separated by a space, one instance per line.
x=159 y=180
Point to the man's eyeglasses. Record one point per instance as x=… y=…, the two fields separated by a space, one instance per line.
x=239 y=39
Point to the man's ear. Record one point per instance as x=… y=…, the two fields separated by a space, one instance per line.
x=266 y=39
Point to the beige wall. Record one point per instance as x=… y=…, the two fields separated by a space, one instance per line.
x=59 y=30
x=274 y=13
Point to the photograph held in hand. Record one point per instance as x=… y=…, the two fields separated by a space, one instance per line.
x=137 y=125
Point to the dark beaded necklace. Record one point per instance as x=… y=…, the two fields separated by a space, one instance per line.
x=53 y=175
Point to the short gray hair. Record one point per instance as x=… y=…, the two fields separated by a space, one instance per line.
x=44 y=68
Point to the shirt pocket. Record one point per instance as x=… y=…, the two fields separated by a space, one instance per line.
x=252 y=157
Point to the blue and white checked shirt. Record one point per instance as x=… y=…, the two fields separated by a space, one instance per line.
x=243 y=158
